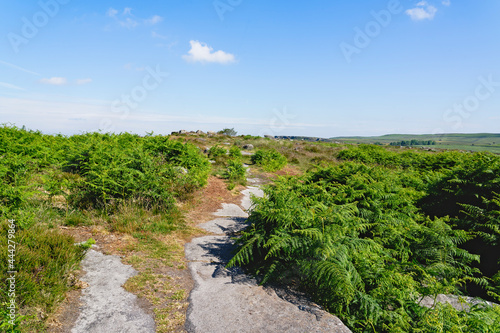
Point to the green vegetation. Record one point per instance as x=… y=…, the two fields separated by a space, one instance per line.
x=366 y=230
x=235 y=152
x=123 y=183
x=472 y=142
x=235 y=172
x=411 y=143
x=228 y=132
x=216 y=151
x=270 y=159
x=369 y=237
x=151 y=171
x=44 y=260
x=412 y=159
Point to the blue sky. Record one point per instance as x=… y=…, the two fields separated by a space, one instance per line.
x=318 y=68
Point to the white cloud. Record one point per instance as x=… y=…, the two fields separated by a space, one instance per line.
x=446 y=2
x=154 y=20
x=55 y=81
x=201 y=52
x=10 y=86
x=127 y=11
x=423 y=11
x=112 y=12
x=83 y=81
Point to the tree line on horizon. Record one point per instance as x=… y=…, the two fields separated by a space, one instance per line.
x=409 y=143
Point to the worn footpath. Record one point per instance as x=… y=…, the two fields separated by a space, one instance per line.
x=230 y=301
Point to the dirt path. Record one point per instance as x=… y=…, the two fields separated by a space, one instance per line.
x=230 y=301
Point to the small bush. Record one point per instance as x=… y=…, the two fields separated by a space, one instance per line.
x=216 y=151
x=270 y=160
x=235 y=172
x=235 y=152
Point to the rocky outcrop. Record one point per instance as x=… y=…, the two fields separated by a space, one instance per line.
x=248 y=146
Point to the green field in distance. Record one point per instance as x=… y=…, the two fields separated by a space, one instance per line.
x=473 y=142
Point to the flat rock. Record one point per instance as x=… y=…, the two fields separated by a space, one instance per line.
x=209 y=249
x=227 y=225
x=107 y=307
x=227 y=300
x=246 y=201
x=230 y=210
x=254 y=181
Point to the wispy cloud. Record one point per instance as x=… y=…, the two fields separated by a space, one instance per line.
x=124 y=19
x=55 y=81
x=112 y=12
x=154 y=34
x=446 y=2
x=201 y=52
x=154 y=20
x=18 y=68
x=83 y=81
x=10 y=86
x=422 y=11
x=131 y=66
x=129 y=23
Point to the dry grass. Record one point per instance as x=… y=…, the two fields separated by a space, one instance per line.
x=209 y=199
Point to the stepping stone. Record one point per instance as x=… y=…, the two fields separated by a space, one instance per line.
x=230 y=210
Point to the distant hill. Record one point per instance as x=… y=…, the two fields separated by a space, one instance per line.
x=474 y=142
